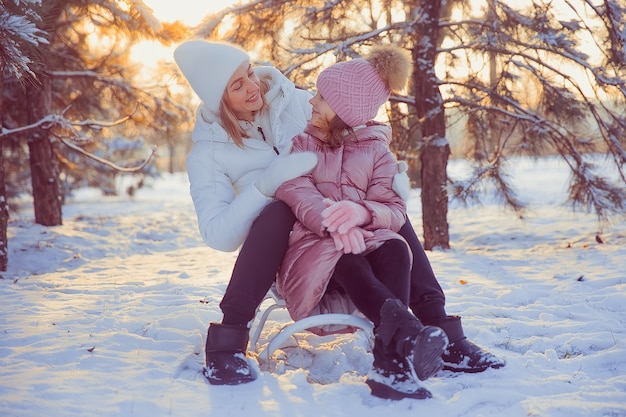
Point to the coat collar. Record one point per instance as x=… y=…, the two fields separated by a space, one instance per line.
x=368 y=131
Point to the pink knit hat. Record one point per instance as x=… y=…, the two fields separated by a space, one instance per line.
x=356 y=89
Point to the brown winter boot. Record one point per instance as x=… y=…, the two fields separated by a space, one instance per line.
x=226 y=362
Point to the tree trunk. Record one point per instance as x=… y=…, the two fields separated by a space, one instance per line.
x=44 y=167
x=430 y=111
x=4 y=206
x=4 y=212
x=172 y=149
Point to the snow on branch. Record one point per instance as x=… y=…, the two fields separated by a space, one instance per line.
x=58 y=120
x=43 y=122
x=147 y=14
x=212 y=21
x=22 y=28
x=52 y=120
x=94 y=75
x=311 y=54
x=105 y=161
x=16 y=31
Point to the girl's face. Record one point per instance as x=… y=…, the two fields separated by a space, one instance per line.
x=243 y=93
x=322 y=114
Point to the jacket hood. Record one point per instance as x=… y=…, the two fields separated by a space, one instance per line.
x=208 y=126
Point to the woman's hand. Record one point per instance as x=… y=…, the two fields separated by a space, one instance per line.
x=284 y=168
x=401 y=183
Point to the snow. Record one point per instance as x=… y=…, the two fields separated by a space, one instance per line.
x=106 y=315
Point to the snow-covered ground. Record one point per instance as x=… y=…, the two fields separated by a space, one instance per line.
x=106 y=315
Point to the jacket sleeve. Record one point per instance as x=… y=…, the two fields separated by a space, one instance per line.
x=224 y=217
x=387 y=208
x=303 y=197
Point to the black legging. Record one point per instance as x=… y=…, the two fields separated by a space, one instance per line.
x=258 y=263
x=263 y=251
x=371 y=279
x=426 y=297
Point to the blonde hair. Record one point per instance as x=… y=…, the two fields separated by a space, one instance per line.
x=336 y=131
x=229 y=120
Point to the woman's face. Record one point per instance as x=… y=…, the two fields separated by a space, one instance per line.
x=243 y=92
x=322 y=114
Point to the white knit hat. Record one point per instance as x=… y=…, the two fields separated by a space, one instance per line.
x=208 y=66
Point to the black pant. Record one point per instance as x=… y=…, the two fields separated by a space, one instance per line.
x=426 y=298
x=263 y=251
x=371 y=279
x=257 y=263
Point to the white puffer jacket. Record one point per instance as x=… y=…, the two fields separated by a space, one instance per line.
x=222 y=175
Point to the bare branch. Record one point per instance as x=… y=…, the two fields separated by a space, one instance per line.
x=52 y=120
x=22 y=129
x=314 y=53
x=59 y=120
x=105 y=161
x=95 y=76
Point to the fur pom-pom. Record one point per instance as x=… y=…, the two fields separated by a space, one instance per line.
x=393 y=64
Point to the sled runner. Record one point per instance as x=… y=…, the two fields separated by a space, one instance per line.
x=279 y=340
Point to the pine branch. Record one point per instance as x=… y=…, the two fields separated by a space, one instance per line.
x=95 y=76
x=592 y=192
x=312 y=54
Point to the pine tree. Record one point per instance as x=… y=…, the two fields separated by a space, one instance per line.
x=78 y=92
x=518 y=76
x=20 y=37
x=557 y=86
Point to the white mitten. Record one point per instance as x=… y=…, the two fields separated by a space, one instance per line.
x=401 y=183
x=285 y=168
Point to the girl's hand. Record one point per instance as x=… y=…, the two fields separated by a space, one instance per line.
x=344 y=215
x=353 y=241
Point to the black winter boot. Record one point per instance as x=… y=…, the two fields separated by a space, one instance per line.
x=401 y=332
x=461 y=355
x=391 y=378
x=226 y=362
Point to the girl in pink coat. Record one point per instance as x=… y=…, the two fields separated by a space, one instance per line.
x=345 y=237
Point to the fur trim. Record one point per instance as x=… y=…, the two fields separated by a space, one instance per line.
x=393 y=64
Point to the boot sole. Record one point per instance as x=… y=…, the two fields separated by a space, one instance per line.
x=429 y=346
x=455 y=367
x=384 y=391
x=231 y=380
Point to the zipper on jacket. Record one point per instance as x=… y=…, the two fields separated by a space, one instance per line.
x=265 y=140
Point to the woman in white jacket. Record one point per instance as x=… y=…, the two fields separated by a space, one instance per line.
x=240 y=156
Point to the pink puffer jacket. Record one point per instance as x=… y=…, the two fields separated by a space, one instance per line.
x=362 y=170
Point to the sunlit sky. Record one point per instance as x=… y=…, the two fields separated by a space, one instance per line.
x=190 y=12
